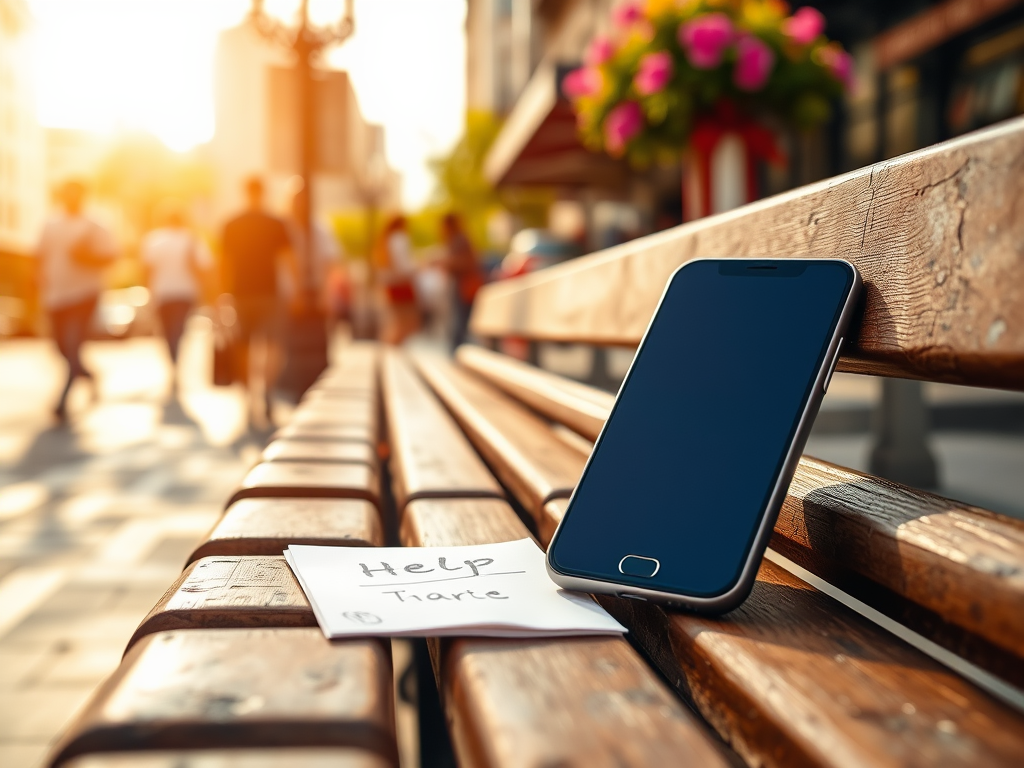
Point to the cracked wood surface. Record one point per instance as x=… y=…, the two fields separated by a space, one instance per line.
x=430 y=457
x=268 y=526
x=936 y=235
x=230 y=592
x=250 y=688
x=587 y=702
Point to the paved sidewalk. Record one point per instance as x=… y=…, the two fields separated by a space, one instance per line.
x=97 y=517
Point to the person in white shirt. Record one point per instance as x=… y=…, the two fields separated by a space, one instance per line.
x=176 y=261
x=72 y=253
x=394 y=271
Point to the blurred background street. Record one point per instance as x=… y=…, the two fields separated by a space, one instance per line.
x=97 y=516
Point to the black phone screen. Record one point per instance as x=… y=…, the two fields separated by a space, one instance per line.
x=698 y=436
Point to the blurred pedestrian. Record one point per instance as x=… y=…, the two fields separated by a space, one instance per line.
x=256 y=247
x=177 y=262
x=466 y=278
x=394 y=271
x=72 y=253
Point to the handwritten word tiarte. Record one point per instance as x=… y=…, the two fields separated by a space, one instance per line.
x=456 y=596
x=418 y=568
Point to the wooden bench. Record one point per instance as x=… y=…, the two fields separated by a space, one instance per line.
x=811 y=670
x=795 y=676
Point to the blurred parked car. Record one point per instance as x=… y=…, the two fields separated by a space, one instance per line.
x=534 y=249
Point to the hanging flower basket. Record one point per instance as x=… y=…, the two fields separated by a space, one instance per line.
x=677 y=75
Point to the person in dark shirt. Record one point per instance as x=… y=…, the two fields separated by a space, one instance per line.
x=256 y=246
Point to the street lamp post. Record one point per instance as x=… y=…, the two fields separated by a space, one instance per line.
x=306 y=43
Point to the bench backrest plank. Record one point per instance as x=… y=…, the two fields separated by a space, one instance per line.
x=935 y=234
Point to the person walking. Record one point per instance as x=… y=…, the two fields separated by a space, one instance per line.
x=462 y=267
x=394 y=271
x=72 y=254
x=176 y=262
x=256 y=245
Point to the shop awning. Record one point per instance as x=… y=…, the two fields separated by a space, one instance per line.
x=538 y=145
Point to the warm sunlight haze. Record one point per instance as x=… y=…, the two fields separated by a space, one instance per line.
x=113 y=65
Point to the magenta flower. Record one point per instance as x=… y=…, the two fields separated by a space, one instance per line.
x=581 y=82
x=623 y=123
x=626 y=14
x=754 y=62
x=839 y=63
x=655 y=71
x=804 y=25
x=599 y=52
x=706 y=38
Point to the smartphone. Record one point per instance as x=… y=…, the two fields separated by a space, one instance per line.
x=678 y=499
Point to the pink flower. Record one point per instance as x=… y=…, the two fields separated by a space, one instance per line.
x=581 y=82
x=599 y=52
x=839 y=63
x=754 y=62
x=655 y=71
x=804 y=25
x=626 y=14
x=622 y=124
x=706 y=38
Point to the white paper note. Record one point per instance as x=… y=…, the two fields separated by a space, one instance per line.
x=490 y=590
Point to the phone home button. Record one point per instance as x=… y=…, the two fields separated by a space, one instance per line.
x=634 y=565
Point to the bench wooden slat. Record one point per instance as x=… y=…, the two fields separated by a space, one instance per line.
x=335 y=414
x=268 y=526
x=347 y=452
x=517 y=444
x=798 y=641
x=793 y=678
x=569 y=701
x=294 y=479
x=953 y=572
x=228 y=592
x=935 y=235
x=429 y=455
x=219 y=689
x=235 y=758
x=336 y=432
x=578 y=406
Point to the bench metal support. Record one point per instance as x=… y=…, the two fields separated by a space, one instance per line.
x=901 y=451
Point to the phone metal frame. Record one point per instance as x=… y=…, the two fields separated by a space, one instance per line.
x=736 y=594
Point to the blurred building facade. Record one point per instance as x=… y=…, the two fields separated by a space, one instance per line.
x=926 y=71
x=257 y=132
x=22 y=143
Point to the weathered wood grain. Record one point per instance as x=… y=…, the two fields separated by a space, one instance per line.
x=323 y=431
x=222 y=689
x=551 y=516
x=268 y=526
x=576 y=405
x=589 y=702
x=234 y=758
x=430 y=457
x=792 y=678
x=952 y=572
x=230 y=592
x=896 y=547
x=518 y=445
x=345 y=452
x=936 y=236
x=310 y=479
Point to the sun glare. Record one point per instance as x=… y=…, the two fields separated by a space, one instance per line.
x=130 y=64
